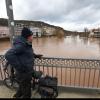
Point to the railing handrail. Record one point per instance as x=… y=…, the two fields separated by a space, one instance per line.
x=68 y=58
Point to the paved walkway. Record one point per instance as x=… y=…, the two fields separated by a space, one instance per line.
x=7 y=93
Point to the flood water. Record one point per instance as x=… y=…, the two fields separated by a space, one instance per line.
x=69 y=46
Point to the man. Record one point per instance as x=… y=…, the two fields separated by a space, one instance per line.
x=21 y=56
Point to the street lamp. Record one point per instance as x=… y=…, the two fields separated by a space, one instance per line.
x=9 y=9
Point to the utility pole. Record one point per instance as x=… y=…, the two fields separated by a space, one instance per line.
x=9 y=9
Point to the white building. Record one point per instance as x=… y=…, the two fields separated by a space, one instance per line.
x=49 y=31
x=37 y=32
x=4 y=31
x=95 y=33
x=19 y=27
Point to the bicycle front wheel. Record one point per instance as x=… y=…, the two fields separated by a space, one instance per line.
x=12 y=84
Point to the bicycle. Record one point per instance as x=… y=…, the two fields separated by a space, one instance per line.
x=11 y=81
x=45 y=91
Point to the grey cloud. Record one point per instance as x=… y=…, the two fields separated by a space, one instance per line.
x=78 y=11
x=44 y=10
x=58 y=11
x=85 y=15
x=3 y=9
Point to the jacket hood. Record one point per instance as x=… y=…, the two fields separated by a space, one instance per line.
x=20 y=39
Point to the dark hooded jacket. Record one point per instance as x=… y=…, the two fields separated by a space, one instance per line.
x=21 y=56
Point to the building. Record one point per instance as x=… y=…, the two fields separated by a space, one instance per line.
x=95 y=32
x=37 y=32
x=19 y=27
x=48 y=31
x=4 y=32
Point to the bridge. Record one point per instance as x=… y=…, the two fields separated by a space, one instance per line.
x=73 y=74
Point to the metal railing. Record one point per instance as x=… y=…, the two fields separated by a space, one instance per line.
x=81 y=73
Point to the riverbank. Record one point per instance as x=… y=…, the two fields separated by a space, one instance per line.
x=7 y=38
x=4 y=39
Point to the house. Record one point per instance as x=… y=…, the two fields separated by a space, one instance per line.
x=37 y=32
x=18 y=28
x=95 y=32
x=4 y=31
x=48 y=31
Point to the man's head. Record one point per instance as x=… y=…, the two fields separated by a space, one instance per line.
x=27 y=33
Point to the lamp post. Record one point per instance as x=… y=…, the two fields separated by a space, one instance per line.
x=9 y=9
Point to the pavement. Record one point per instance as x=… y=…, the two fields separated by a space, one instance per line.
x=63 y=93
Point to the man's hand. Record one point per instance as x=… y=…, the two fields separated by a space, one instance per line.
x=39 y=56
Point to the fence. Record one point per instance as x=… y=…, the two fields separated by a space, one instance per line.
x=82 y=73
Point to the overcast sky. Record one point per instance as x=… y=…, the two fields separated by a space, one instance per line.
x=69 y=14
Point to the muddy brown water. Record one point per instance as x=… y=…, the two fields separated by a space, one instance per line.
x=69 y=46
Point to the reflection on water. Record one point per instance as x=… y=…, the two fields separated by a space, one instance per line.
x=69 y=46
